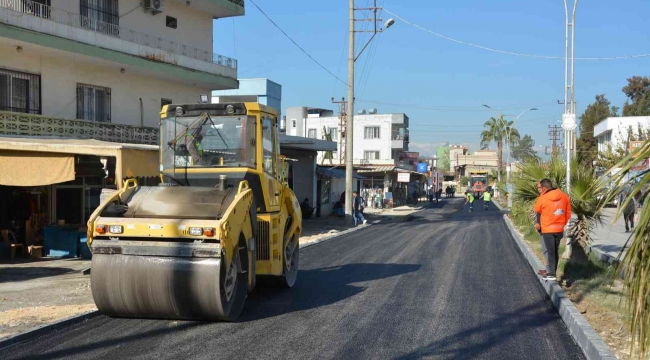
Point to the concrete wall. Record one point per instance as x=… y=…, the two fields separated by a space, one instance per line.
x=266 y=92
x=385 y=122
x=170 y=50
x=194 y=27
x=299 y=114
x=61 y=71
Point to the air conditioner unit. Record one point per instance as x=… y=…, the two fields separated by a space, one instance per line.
x=155 y=6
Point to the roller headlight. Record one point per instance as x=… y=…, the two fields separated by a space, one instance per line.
x=196 y=231
x=116 y=229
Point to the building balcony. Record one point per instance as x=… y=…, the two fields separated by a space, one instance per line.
x=218 y=8
x=30 y=125
x=35 y=23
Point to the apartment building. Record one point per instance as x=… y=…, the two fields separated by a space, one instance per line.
x=102 y=62
x=378 y=138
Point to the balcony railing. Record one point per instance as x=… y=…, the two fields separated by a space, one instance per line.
x=83 y=22
x=21 y=124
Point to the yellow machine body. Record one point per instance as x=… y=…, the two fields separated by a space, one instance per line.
x=194 y=246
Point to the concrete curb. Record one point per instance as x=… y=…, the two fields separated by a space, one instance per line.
x=44 y=329
x=585 y=336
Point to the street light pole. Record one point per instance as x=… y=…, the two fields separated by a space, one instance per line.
x=569 y=118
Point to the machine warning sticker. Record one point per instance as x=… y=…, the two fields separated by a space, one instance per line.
x=155 y=226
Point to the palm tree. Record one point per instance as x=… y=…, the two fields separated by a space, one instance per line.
x=636 y=262
x=497 y=130
x=328 y=155
x=586 y=199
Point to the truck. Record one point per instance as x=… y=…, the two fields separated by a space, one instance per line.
x=478 y=182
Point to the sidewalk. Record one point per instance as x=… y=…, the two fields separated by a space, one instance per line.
x=608 y=239
x=35 y=293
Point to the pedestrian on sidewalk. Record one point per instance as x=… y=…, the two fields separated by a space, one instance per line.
x=628 y=212
x=356 y=204
x=554 y=209
x=469 y=198
x=486 y=199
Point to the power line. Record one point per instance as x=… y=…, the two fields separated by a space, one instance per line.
x=295 y=43
x=439 y=108
x=512 y=52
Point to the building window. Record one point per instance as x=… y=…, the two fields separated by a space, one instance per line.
x=164 y=102
x=93 y=103
x=371 y=155
x=371 y=132
x=311 y=133
x=172 y=22
x=20 y=92
x=293 y=123
x=100 y=15
x=334 y=133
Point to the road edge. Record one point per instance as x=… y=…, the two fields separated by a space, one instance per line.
x=591 y=344
x=44 y=329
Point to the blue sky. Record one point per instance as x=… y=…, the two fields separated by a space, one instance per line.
x=440 y=84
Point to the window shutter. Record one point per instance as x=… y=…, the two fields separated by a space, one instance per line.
x=80 y=103
x=4 y=92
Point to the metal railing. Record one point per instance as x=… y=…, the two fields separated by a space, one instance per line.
x=82 y=22
x=21 y=124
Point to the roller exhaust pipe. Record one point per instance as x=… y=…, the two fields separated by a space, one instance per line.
x=223 y=182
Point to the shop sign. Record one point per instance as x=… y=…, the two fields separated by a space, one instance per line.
x=634 y=145
x=403 y=177
x=422 y=167
x=640 y=166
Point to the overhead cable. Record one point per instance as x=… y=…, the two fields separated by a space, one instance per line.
x=512 y=52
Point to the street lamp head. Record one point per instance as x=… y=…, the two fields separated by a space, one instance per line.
x=534 y=109
x=389 y=23
x=486 y=106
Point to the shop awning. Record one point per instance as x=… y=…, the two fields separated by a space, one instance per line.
x=336 y=173
x=46 y=161
x=20 y=168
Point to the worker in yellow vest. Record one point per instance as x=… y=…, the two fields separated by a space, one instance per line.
x=486 y=199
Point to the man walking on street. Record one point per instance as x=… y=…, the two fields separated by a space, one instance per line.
x=486 y=199
x=554 y=209
x=356 y=206
x=628 y=212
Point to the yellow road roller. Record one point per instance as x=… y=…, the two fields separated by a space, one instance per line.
x=193 y=246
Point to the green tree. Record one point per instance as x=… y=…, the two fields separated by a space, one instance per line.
x=524 y=149
x=636 y=262
x=587 y=144
x=498 y=130
x=637 y=91
x=586 y=198
x=443 y=158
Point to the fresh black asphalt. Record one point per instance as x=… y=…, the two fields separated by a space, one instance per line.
x=444 y=285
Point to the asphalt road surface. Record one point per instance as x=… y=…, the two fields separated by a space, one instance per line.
x=445 y=285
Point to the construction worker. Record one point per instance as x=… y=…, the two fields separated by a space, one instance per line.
x=469 y=198
x=554 y=209
x=486 y=199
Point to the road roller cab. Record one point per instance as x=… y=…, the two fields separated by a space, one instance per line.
x=193 y=247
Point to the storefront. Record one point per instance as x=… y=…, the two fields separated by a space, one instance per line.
x=50 y=187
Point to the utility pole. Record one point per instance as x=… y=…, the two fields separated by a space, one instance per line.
x=343 y=113
x=349 y=126
x=554 y=136
x=569 y=117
